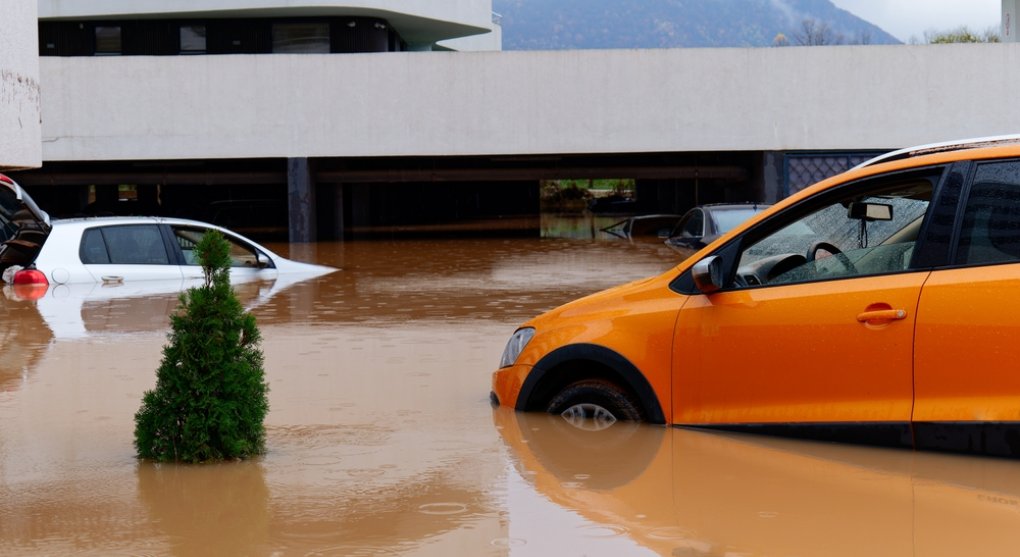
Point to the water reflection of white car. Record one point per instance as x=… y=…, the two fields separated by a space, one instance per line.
x=119 y=249
x=83 y=310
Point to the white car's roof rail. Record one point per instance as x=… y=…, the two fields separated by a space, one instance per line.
x=941 y=147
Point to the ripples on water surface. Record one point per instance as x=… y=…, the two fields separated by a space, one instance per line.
x=382 y=442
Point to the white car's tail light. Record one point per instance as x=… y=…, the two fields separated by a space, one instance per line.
x=30 y=276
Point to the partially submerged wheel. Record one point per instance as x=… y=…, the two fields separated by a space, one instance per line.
x=595 y=404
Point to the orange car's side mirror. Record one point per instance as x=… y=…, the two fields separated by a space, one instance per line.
x=708 y=274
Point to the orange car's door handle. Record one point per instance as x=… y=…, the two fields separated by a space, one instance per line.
x=881 y=315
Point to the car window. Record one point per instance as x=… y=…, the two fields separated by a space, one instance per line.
x=728 y=219
x=991 y=219
x=126 y=244
x=869 y=230
x=8 y=206
x=241 y=254
x=693 y=226
x=93 y=247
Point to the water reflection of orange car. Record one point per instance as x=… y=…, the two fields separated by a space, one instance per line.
x=891 y=321
x=686 y=492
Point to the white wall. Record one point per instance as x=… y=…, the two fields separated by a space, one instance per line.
x=845 y=97
x=19 y=85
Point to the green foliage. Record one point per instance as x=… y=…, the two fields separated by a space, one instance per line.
x=611 y=184
x=211 y=397
x=960 y=35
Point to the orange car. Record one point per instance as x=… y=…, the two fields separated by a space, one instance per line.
x=878 y=306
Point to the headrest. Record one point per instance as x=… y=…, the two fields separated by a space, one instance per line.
x=1004 y=227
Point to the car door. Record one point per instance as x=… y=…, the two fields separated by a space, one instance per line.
x=127 y=252
x=967 y=379
x=816 y=325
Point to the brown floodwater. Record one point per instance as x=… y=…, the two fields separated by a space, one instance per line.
x=381 y=439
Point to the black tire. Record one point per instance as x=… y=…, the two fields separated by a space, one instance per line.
x=596 y=399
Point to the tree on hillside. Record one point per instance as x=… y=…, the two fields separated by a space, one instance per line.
x=862 y=37
x=815 y=33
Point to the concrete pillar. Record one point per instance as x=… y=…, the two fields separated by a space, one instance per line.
x=774 y=186
x=300 y=201
x=1008 y=29
x=20 y=126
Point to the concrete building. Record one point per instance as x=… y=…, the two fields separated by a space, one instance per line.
x=351 y=142
x=20 y=128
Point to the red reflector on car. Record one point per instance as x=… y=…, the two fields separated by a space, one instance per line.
x=30 y=276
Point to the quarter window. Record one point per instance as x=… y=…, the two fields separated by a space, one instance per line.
x=93 y=248
x=695 y=225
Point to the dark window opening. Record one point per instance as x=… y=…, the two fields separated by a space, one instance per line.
x=192 y=39
x=108 y=40
x=301 y=38
x=218 y=36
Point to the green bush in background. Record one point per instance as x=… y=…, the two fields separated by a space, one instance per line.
x=211 y=396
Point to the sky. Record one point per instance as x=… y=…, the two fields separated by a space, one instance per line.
x=911 y=18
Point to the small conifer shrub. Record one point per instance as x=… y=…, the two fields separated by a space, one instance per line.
x=211 y=396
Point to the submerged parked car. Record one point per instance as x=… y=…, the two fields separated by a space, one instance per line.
x=704 y=223
x=877 y=306
x=118 y=249
x=650 y=226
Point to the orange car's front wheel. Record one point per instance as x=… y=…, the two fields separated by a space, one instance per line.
x=596 y=400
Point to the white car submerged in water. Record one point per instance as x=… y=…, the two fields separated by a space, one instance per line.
x=34 y=249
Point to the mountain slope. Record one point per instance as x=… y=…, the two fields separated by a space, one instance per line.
x=584 y=24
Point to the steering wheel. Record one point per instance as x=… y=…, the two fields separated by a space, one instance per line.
x=814 y=248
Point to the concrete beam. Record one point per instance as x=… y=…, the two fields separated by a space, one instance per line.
x=526 y=103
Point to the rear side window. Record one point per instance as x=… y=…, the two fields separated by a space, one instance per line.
x=8 y=206
x=93 y=249
x=695 y=225
x=991 y=219
x=127 y=245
